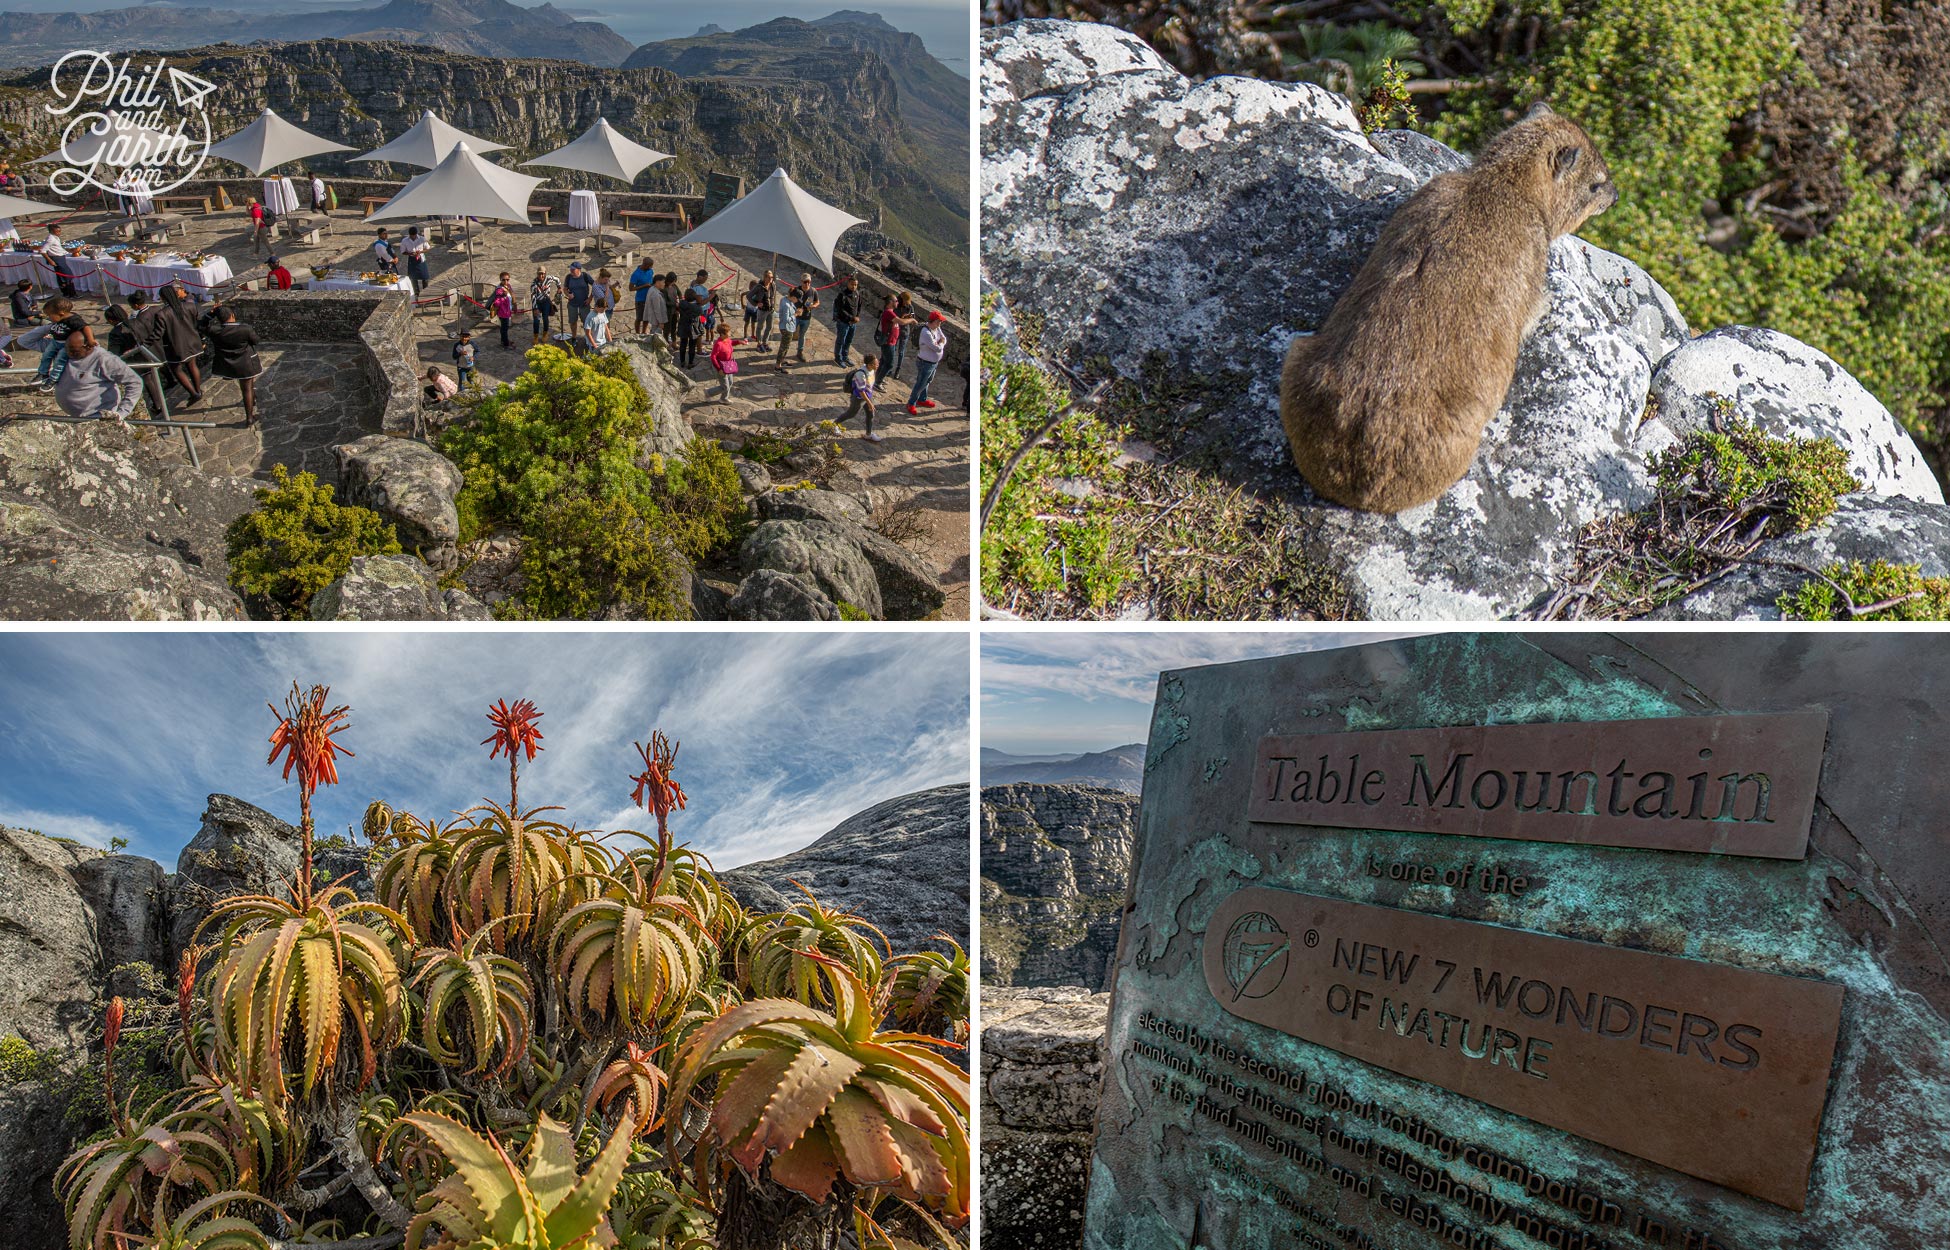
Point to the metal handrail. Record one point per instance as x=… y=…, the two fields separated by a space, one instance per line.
x=165 y=421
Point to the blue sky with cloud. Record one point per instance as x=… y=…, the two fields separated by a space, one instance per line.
x=1062 y=693
x=783 y=735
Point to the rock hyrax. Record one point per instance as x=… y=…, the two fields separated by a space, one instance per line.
x=1385 y=404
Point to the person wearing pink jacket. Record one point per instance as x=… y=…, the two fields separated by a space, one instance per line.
x=724 y=360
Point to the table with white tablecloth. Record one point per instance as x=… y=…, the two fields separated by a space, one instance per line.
x=583 y=214
x=7 y=228
x=401 y=284
x=31 y=265
x=124 y=276
x=280 y=196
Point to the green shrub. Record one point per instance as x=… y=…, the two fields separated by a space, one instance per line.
x=565 y=427
x=1893 y=592
x=296 y=542
x=586 y=556
x=1739 y=470
x=555 y=455
x=18 y=1061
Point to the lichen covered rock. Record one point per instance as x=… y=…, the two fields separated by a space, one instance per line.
x=1042 y=1069
x=393 y=588
x=409 y=484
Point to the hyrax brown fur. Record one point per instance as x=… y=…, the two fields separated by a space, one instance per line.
x=1385 y=404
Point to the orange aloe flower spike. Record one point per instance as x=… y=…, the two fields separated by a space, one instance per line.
x=514 y=728
x=656 y=790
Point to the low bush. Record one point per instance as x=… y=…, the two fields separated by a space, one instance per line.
x=1878 y=591
x=297 y=541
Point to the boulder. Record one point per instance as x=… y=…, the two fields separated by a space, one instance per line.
x=1135 y=196
x=826 y=554
x=770 y=595
x=908 y=591
x=238 y=849
x=393 y=588
x=811 y=505
x=657 y=372
x=129 y=897
x=34 y=1139
x=710 y=599
x=409 y=484
x=901 y=864
x=53 y=570
x=1863 y=528
x=1790 y=389
x=753 y=477
x=1042 y=1070
x=50 y=966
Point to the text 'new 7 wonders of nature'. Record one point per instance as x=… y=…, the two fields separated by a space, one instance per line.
x=1727 y=785
x=1717 y=1071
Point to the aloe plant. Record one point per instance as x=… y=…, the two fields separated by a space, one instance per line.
x=929 y=991
x=488 y=1204
x=291 y=975
x=780 y=953
x=632 y=956
x=489 y=992
x=807 y=1098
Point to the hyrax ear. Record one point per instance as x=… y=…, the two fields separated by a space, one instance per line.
x=1539 y=109
x=1565 y=159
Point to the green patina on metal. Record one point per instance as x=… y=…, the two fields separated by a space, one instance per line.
x=1885 y=1136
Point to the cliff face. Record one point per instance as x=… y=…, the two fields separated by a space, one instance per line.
x=902 y=865
x=841 y=137
x=480 y=27
x=1055 y=867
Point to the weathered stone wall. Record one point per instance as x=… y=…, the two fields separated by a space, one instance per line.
x=1042 y=1067
x=380 y=320
x=1055 y=862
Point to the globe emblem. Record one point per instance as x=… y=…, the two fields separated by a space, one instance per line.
x=1255 y=951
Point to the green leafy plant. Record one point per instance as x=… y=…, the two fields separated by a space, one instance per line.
x=1875 y=591
x=487 y=1204
x=296 y=542
x=929 y=992
x=782 y=954
x=586 y=556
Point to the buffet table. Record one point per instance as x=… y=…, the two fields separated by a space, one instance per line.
x=151 y=276
x=17 y=265
x=352 y=282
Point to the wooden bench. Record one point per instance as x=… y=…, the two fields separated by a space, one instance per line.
x=158 y=225
x=546 y=210
x=682 y=220
x=372 y=202
x=199 y=202
x=122 y=228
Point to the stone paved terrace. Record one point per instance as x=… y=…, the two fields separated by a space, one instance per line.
x=924 y=459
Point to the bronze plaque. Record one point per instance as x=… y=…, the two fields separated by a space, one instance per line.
x=1723 y=785
x=1715 y=1071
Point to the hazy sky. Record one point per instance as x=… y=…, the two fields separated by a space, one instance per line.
x=1084 y=690
x=782 y=735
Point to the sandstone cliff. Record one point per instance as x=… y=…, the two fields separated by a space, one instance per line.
x=1055 y=867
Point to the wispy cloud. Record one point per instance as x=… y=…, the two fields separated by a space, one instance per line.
x=783 y=735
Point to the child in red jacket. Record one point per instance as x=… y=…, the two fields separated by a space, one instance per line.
x=724 y=360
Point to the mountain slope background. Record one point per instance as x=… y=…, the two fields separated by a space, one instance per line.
x=1119 y=768
x=930 y=213
x=839 y=130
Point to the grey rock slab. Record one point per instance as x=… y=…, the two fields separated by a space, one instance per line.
x=771 y=595
x=392 y=588
x=50 y=966
x=54 y=570
x=1790 y=389
x=821 y=552
x=239 y=848
x=811 y=505
x=129 y=897
x=1864 y=528
x=408 y=483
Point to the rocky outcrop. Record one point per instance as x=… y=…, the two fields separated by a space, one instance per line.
x=902 y=864
x=238 y=849
x=50 y=963
x=96 y=523
x=1042 y=1068
x=657 y=373
x=771 y=595
x=1123 y=200
x=410 y=485
x=393 y=588
x=820 y=538
x=34 y=1139
x=129 y=897
x=1056 y=863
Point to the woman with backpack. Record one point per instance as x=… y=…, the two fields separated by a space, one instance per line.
x=502 y=305
x=542 y=293
x=690 y=327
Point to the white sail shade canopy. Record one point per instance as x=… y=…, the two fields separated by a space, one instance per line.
x=271 y=141
x=604 y=150
x=427 y=144
x=463 y=185
x=12 y=206
x=782 y=217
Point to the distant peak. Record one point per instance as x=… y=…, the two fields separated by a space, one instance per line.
x=854 y=17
